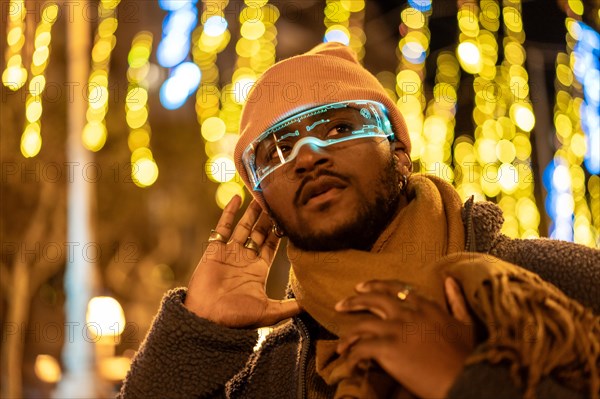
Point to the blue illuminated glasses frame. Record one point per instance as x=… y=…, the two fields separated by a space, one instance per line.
x=321 y=126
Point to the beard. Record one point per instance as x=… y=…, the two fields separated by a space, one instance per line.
x=362 y=231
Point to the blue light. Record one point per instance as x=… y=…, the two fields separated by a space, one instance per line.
x=173 y=93
x=592 y=156
x=562 y=231
x=172 y=49
x=421 y=5
x=336 y=35
x=587 y=72
x=550 y=205
x=188 y=74
x=173 y=5
x=591 y=86
x=414 y=53
x=183 y=20
x=215 y=26
x=547 y=176
x=589 y=36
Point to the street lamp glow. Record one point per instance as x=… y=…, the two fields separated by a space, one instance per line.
x=106 y=315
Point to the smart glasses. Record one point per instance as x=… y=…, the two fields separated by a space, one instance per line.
x=321 y=126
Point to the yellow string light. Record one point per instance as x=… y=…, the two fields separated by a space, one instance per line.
x=94 y=133
x=209 y=39
x=469 y=154
x=576 y=218
x=219 y=110
x=497 y=163
x=516 y=172
x=31 y=139
x=344 y=23
x=144 y=170
x=14 y=75
x=438 y=127
x=413 y=49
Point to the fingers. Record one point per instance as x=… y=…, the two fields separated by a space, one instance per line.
x=395 y=289
x=269 y=248
x=244 y=227
x=225 y=223
x=388 y=287
x=367 y=329
x=456 y=300
x=278 y=310
x=366 y=349
x=261 y=229
x=382 y=305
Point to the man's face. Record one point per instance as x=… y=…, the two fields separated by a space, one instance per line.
x=336 y=197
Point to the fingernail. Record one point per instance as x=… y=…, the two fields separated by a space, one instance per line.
x=362 y=287
x=340 y=305
x=232 y=199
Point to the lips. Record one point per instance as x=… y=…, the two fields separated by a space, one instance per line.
x=319 y=186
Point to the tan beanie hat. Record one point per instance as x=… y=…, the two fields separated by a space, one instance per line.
x=326 y=74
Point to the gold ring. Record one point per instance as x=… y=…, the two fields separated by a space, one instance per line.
x=403 y=294
x=216 y=236
x=251 y=244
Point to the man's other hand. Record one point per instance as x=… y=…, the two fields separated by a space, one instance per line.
x=412 y=338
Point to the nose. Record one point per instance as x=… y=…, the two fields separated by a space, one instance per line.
x=310 y=156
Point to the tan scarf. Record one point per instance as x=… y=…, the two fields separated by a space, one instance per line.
x=422 y=246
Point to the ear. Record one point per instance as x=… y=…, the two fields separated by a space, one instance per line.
x=404 y=163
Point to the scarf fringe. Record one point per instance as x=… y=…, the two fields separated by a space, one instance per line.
x=539 y=331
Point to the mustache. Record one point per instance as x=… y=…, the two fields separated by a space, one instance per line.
x=315 y=176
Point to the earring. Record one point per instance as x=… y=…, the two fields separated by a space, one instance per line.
x=409 y=162
x=278 y=231
x=404 y=184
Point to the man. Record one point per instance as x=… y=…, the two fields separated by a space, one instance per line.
x=383 y=300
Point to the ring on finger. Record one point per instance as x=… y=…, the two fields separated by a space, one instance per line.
x=251 y=244
x=403 y=293
x=216 y=236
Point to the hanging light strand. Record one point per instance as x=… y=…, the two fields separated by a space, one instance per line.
x=173 y=53
x=94 y=133
x=144 y=170
x=438 y=127
x=573 y=205
x=513 y=150
x=412 y=51
x=502 y=114
x=31 y=139
x=470 y=154
x=255 y=50
x=344 y=23
x=210 y=38
x=14 y=75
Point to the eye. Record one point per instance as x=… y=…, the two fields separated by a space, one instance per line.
x=273 y=155
x=341 y=128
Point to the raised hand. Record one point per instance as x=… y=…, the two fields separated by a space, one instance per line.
x=228 y=285
x=413 y=339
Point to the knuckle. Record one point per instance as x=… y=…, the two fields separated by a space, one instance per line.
x=223 y=226
x=245 y=225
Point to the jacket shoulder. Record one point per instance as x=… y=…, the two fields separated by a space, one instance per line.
x=483 y=223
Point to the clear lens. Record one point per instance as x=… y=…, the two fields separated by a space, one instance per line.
x=322 y=126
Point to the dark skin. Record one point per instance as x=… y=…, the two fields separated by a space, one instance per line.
x=228 y=285
x=414 y=340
